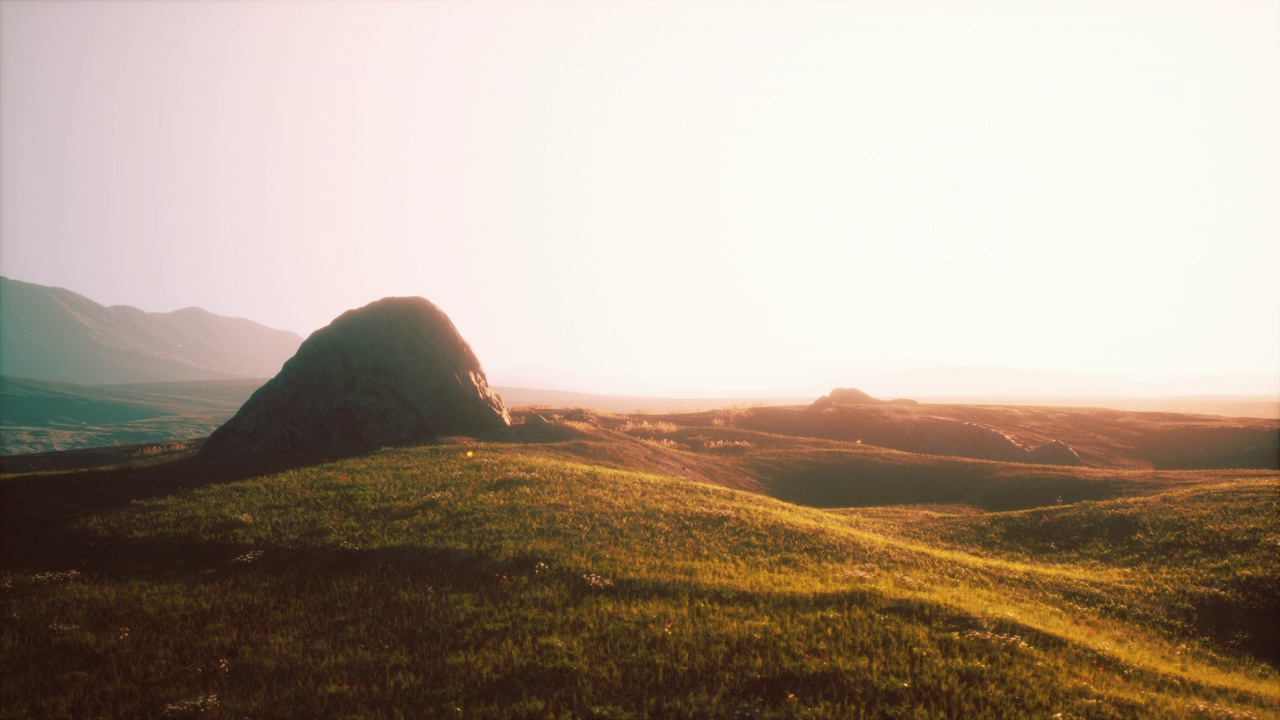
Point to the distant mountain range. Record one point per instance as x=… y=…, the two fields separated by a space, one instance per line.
x=49 y=333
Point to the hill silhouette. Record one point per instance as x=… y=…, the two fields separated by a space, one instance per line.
x=49 y=333
x=394 y=370
x=852 y=396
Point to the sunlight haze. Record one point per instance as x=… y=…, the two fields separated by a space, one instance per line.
x=701 y=197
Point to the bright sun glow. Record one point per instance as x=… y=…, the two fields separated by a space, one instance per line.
x=669 y=197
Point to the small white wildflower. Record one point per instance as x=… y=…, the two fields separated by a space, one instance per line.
x=862 y=571
x=199 y=705
x=597 y=582
x=45 y=578
x=1011 y=640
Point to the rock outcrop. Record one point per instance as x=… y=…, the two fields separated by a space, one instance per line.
x=395 y=370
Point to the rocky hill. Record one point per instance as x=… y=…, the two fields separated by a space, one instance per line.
x=394 y=370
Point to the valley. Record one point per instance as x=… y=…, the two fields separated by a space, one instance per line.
x=38 y=416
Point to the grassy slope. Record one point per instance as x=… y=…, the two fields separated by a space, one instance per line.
x=532 y=581
x=832 y=473
x=1201 y=560
x=42 y=416
x=1101 y=437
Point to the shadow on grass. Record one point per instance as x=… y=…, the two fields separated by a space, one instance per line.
x=832 y=479
x=496 y=576
x=43 y=496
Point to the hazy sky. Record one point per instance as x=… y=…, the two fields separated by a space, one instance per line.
x=669 y=197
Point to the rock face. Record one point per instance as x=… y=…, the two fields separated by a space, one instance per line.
x=394 y=370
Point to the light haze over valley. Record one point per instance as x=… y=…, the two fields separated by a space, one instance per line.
x=702 y=199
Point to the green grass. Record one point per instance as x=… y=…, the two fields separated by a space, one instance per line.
x=1200 y=563
x=39 y=416
x=532 y=581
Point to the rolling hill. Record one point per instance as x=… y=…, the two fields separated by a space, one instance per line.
x=1101 y=437
x=578 y=569
x=43 y=416
x=54 y=334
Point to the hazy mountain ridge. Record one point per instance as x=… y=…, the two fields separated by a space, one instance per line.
x=49 y=333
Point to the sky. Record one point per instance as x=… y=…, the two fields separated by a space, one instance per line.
x=669 y=197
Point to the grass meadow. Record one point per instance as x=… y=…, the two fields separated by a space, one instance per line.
x=525 y=580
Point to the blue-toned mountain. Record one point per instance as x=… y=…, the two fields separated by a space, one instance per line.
x=49 y=333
